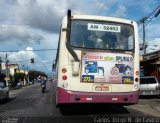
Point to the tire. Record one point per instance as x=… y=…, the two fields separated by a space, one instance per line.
x=43 y=90
x=63 y=110
x=67 y=109
x=7 y=97
x=56 y=103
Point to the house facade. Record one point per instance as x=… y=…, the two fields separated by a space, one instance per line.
x=150 y=64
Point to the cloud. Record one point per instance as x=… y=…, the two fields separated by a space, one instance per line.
x=22 y=56
x=120 y=12
x=152 y=31
x=27 y=21
x=45 y=17
x=19 y=33
x=34 y=13
x=6 y=11
x=153 y=45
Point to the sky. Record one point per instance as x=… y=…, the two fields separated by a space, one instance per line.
x=27 y=26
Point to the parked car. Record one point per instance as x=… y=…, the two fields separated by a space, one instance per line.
x=149 y=85
x=4 y=92
x=19 y=85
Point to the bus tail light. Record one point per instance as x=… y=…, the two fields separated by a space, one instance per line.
x=137 y=73
x=64 y=77
x=64 y=70
x=136 y=79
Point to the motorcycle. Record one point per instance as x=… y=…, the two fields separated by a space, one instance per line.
x=43 y=88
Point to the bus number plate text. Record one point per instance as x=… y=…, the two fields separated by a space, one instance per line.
x=101 y=88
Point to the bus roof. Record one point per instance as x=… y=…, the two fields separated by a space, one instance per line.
x=101 y=18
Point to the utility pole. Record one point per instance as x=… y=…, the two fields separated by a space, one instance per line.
x=28 y=74
x=24 y=80
x=7 y=77
x=148 y=18
x=0 y=65
x=144 y=43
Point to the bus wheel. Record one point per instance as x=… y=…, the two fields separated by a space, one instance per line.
x=63 y=109
x=7 y=97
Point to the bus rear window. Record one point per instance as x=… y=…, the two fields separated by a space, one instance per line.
x=148 y=81
x=101 y=35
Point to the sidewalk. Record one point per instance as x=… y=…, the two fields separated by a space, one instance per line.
x=149 y=106
x=15 y=90
x=154 y=111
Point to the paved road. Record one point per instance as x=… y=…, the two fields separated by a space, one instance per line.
x=30 y=105
x=149 y=105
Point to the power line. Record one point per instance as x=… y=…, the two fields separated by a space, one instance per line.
x=26 y=50
x=143 y=21
x=150 y=17
x=133 y=11
x=147 y=17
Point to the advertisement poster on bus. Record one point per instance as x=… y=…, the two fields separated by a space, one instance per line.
x=107 y=67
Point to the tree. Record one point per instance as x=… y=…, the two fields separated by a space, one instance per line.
x=17 y=77
x=34 y=74
x=2 y=76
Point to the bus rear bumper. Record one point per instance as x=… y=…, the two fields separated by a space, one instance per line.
x=66 y=97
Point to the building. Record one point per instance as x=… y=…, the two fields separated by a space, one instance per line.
x=150 y=65
x=13 y=68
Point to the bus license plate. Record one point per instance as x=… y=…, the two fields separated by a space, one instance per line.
x=101 y=88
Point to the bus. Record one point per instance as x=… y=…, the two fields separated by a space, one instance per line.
x=97 y=61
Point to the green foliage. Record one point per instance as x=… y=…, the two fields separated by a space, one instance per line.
x=17 y=77
x=34 y=74
x=2 y=76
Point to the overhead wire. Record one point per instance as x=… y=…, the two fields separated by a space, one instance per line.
x=26 y=50
x=151 y=14
x=134 y=10
x=114 y=6
x=148 y=17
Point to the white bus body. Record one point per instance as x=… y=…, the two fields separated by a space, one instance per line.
x=105 y=72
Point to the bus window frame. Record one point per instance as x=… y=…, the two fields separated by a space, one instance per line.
x=82 y=48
